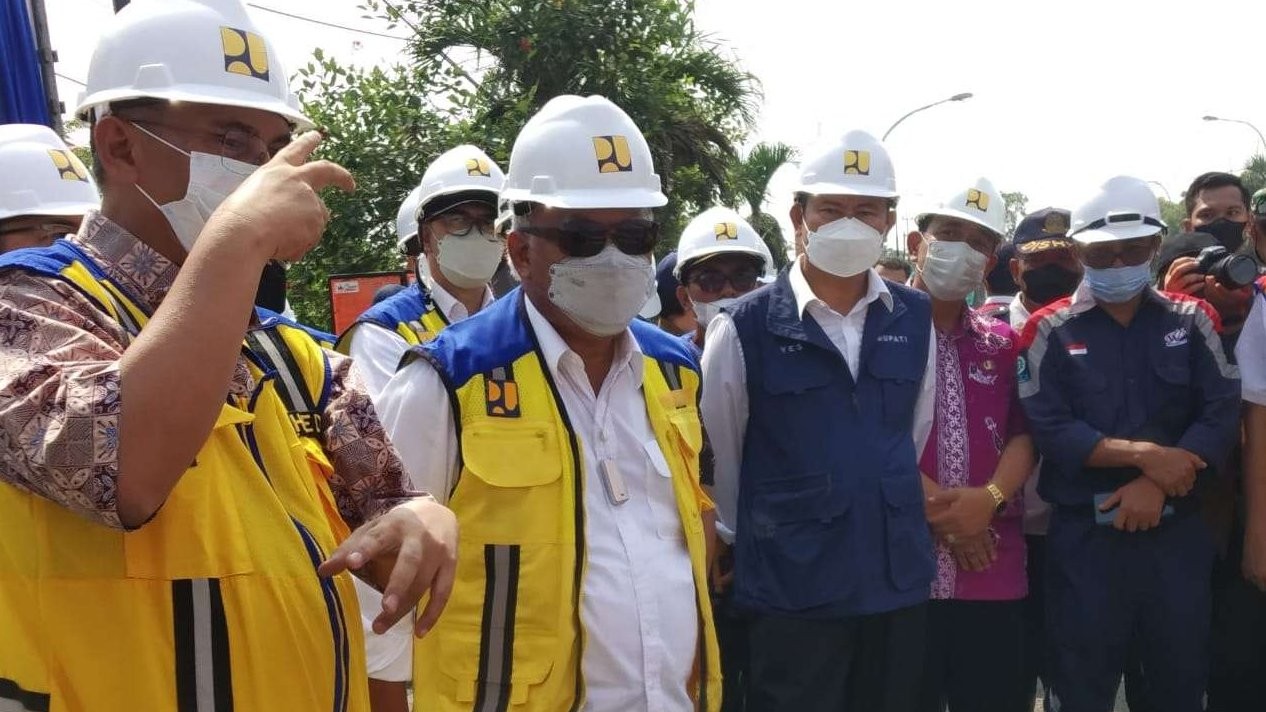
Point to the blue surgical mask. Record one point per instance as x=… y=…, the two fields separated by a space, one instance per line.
x=1118 y=284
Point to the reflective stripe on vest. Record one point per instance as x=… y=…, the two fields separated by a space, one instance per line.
x=511 y=636
x=212 y=605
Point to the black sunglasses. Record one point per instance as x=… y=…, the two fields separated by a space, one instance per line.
x=586 y=238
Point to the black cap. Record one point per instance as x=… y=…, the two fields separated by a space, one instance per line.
x=666 y=285
x=1183 y=244
x=1046 y=229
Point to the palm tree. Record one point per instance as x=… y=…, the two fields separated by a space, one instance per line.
x=1254 y=175
x=749 y=179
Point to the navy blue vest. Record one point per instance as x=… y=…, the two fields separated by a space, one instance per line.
x=830 y=512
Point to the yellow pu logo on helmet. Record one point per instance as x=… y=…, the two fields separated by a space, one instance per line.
x=978 y=200
x=68 y=165
x=726 y=231
x=613 y=154
x=477 y=167
x=244 y=53
x=856 y=163
x=502 y=397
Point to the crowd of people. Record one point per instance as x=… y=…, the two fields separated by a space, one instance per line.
x=1024 y=464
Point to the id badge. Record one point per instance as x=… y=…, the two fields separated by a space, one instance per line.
x=613 y=482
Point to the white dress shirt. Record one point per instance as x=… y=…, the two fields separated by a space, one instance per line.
x=724 y=401
x=377 y=351
x=1037 y=513
x=638 y=594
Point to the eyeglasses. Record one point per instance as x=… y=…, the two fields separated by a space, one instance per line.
x=49 y=230
x=1105 y=255
x=955 y=232
x=713 y=281
x=586 y=238
x=460 y=224
x=236 y=144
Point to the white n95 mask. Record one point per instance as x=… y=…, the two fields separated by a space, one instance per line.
x=705 y=312
x=212 y=179
x=844 y=247
x=602 y=293
x=470 y=260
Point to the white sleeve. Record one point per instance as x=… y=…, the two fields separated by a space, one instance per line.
x=415 y=411
x=724 y=411
x=377 y=352
x=1250 y=353
x=925 y=406
x=418 y=417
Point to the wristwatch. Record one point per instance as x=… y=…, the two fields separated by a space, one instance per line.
x=999 y=499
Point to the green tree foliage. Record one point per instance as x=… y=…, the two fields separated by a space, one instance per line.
x=1254 y=174
x=749 y=180
x=1173 y=214
x=1016 y=203
x=478 y=69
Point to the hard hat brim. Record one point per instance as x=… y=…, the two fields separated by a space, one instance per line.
x=481 y=190
x=1115 y=234
x=695 y=257
x=590 y=199
x=958 y=215
x=203 y=94
x=59 y=210
x=841 y=189
x=652 y=307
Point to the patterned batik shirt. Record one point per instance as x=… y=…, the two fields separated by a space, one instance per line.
x=60 y=400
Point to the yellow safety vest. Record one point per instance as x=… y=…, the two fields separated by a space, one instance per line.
x=215 y=603
x=511 y=636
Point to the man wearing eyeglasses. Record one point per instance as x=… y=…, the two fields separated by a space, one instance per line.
x=813 y=389
x=1134 y=407
x=566 y=436
x=457 y=205
x=44 y=188
x=182 y=487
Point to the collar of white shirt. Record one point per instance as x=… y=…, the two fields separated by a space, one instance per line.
x=556 y=351
x=875 y=289
x=453 y=310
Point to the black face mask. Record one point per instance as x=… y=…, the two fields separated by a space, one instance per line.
x=1228 y=233
x=1045 y=284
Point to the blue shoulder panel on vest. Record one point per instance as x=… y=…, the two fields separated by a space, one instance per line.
x=496 y=336
x=402 y=307
x=663 y=346
x=268 y=317
x=48 y=261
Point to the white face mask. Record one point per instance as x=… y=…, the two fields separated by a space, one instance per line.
x=705 y=312
x=952 y=270
x=603 y=293
x=211 y=180
x=470 y=260
x=844 y=247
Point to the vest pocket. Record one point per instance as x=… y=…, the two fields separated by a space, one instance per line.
x=899 y=390
x=511 y=479
x=798 y=524
x=909 y=542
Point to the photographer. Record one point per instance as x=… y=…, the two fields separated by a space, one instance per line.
x=1217 y=204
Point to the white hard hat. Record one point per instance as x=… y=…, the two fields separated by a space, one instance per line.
x=856 y=164
x=582 y=152
x=203 y=51
x=718 y=230
x=460 y=170
x=41 y=176
x=1123 y=208
x=980 y=204
x=406 y=218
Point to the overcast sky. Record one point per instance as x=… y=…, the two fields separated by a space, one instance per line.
x=1067 y=93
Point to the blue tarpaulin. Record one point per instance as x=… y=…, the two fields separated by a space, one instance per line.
x=22 y=98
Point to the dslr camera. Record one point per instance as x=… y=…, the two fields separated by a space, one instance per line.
x=1231 y=270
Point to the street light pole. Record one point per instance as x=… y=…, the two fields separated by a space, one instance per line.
x=956 y=97
x=1241 y=121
